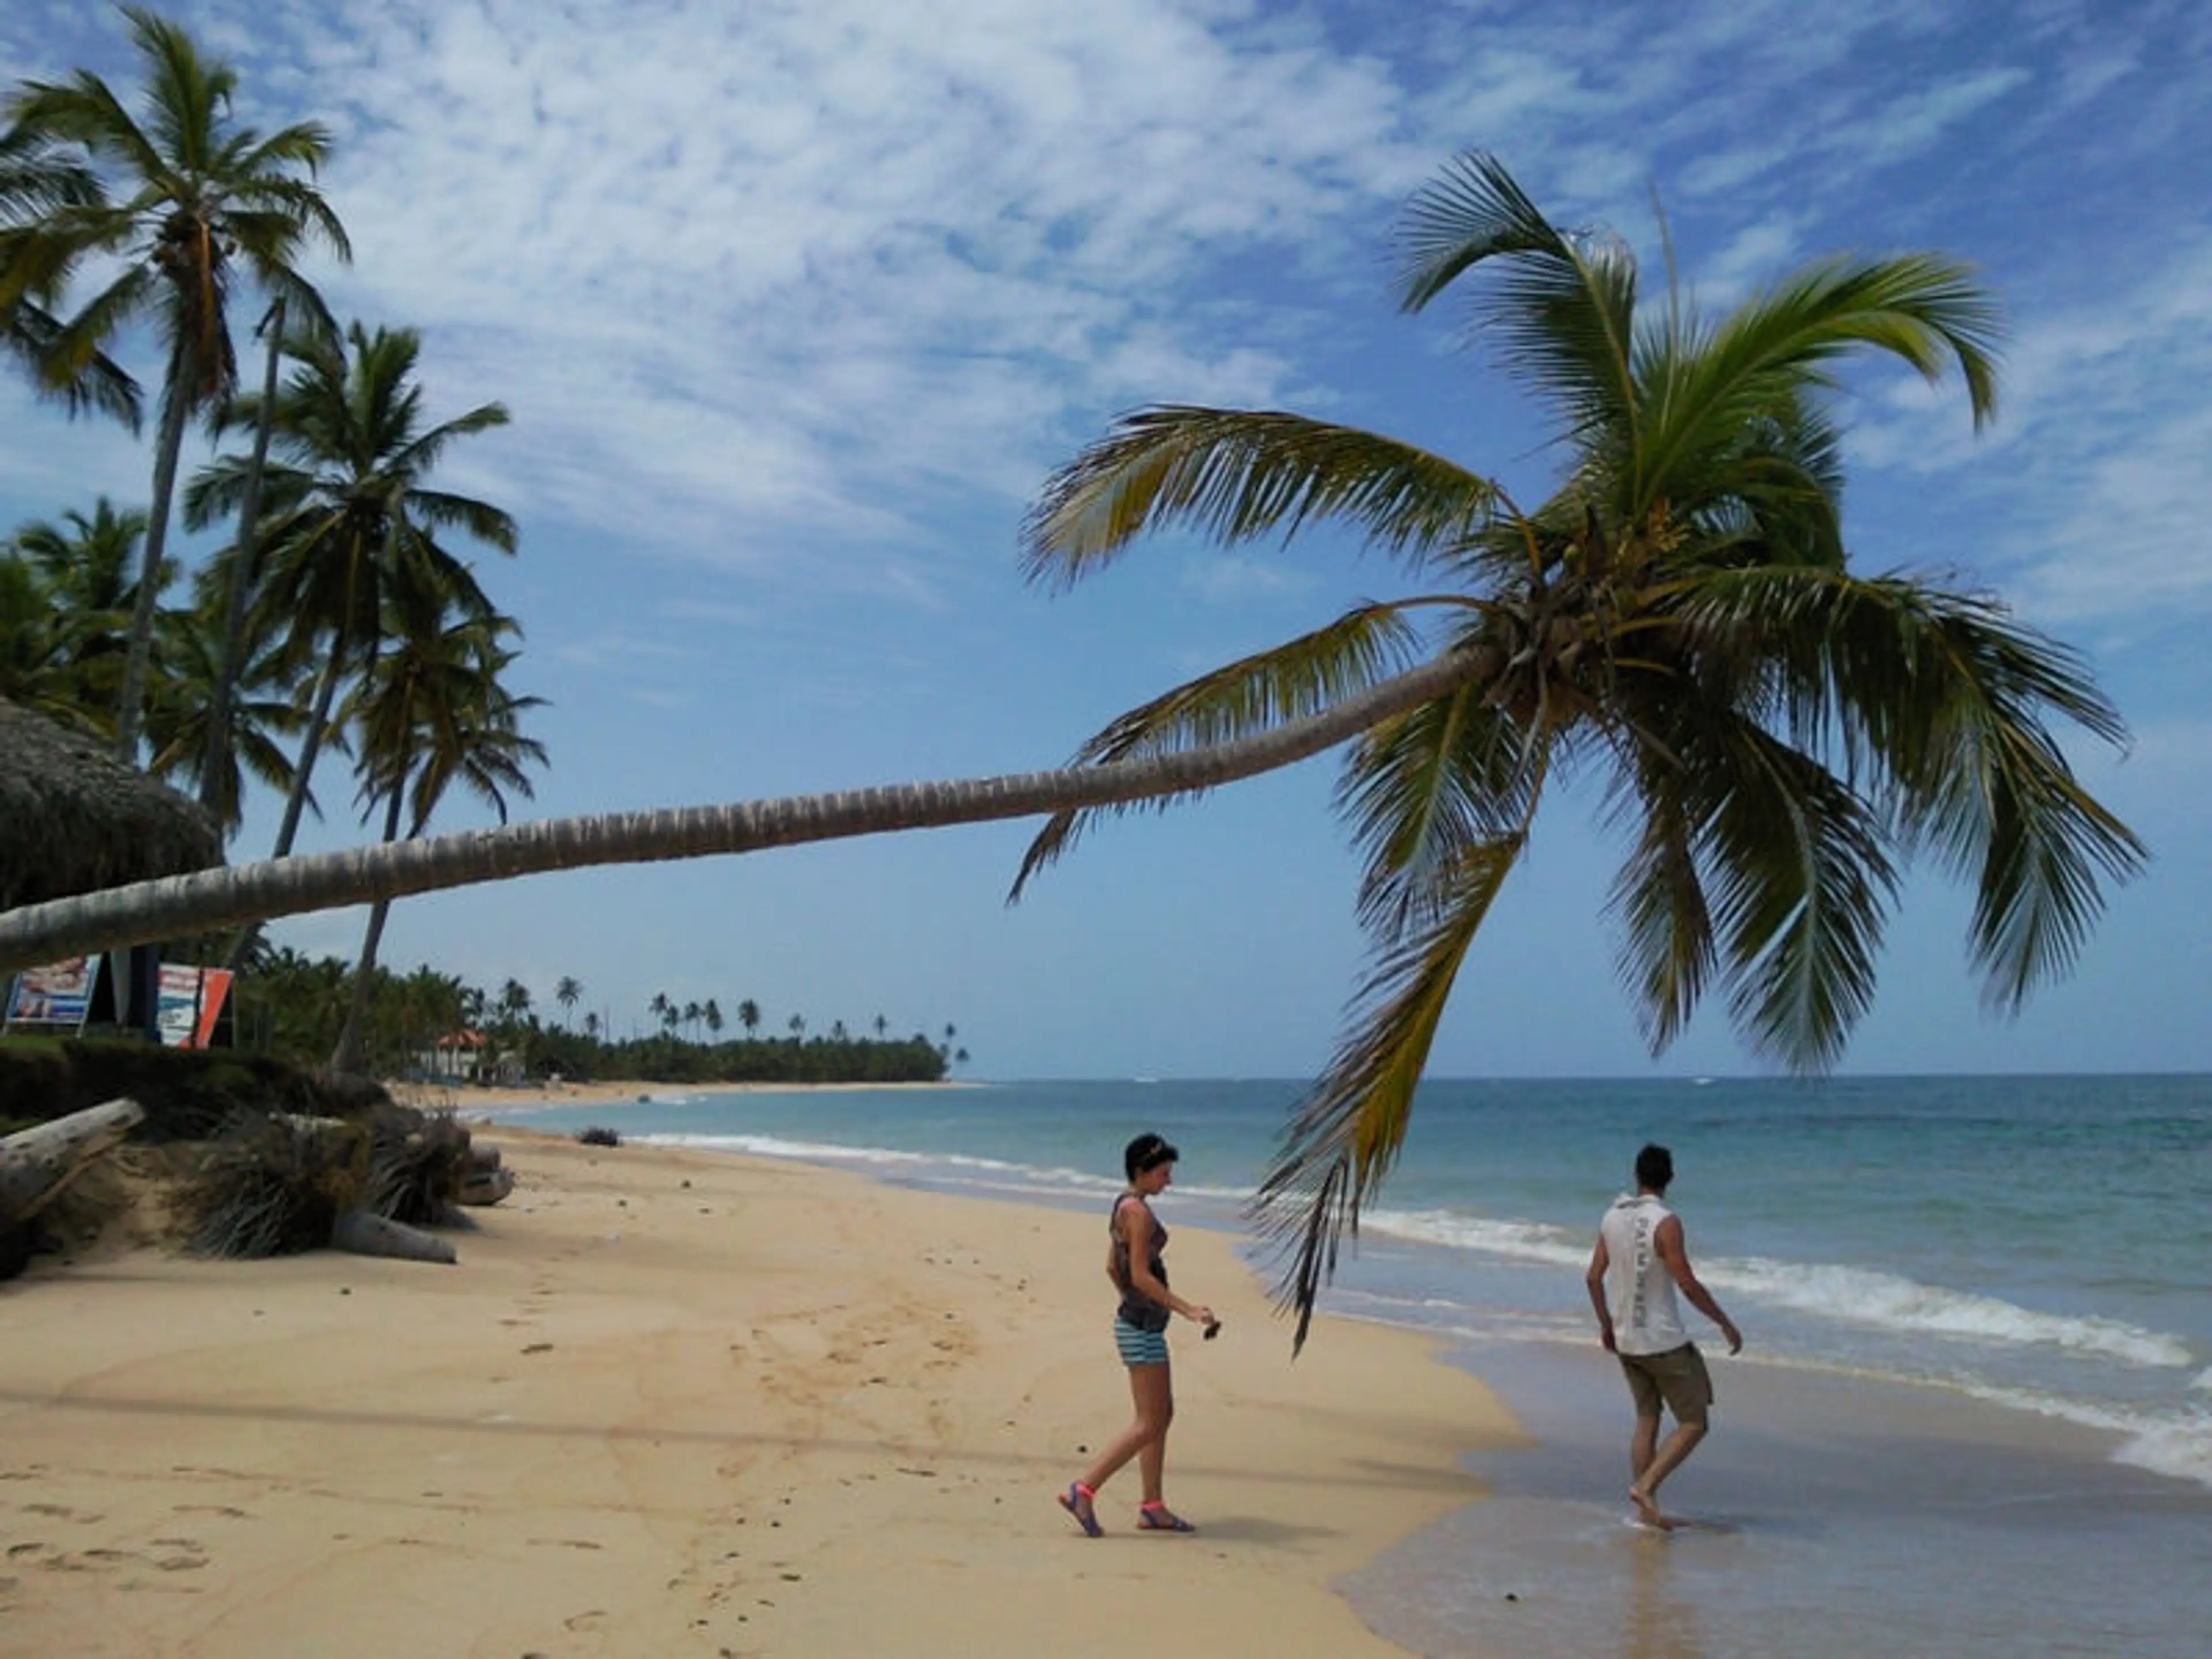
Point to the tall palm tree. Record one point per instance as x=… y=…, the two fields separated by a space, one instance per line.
x=1682 y=608
x=749 y=1016
x=352 y=534
x=434 y=712
x=569 y=992
x=243 y=560
x=188 y=197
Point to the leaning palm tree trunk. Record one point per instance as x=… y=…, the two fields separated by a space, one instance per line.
x=239 y=583
x=179 y=907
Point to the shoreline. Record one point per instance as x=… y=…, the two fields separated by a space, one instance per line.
x=689 y=1402
x=477 y=1099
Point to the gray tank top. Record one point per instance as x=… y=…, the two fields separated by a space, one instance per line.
x=1137 y=1309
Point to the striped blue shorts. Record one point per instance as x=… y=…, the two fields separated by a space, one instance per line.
x=1139 y=1347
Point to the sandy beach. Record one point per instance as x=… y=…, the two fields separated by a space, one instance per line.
x=674 y=1403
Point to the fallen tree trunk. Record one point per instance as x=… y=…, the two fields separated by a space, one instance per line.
x=37 y=1162
x=365 y=1233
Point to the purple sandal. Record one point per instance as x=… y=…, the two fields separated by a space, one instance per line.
x=1156 y=1517
x=1077 y=1500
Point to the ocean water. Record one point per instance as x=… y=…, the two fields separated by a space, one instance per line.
x=1974 y=1411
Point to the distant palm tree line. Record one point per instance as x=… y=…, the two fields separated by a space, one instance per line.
x=297 y=1008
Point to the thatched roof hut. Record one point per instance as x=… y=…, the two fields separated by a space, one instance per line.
x=73 y=819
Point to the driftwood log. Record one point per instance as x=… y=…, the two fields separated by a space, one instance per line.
x=486 y=1182
x=37 y=1162
x=486 y=1186
x=365 y=1233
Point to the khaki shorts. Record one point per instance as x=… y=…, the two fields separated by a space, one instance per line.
x=1677 y=1377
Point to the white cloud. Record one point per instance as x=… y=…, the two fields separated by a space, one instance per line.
x=1906 y=125
x=744 y=275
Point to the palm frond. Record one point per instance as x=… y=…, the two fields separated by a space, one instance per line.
x=187 y=94
x=1561 y=307
x=1801 y=884
x=1295 y=679
x=1706 y=388
x=1667 y=951
x=1345 y=1136
x=1943 y=701
x=33 y=336
x=1234 y=475
x=1421 y=788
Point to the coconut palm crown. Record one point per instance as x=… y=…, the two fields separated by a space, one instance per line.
x=1778 y=733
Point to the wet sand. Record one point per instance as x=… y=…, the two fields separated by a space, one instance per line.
x=1830 y=1519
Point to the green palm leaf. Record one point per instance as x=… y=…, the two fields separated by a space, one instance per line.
x=1561 y=308
x=1234 y=475
x=1420 y=789
x=1346 y=1134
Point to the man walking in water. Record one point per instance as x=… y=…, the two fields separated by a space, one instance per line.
x=1639 y=1259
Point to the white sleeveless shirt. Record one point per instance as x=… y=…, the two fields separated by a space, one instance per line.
x=1639 y=1291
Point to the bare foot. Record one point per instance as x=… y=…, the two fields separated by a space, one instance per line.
x=1647 y=1512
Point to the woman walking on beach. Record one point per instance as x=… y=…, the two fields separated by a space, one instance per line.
x=1133 y=1263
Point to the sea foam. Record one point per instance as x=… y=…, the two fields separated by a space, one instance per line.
x=1856 y=1295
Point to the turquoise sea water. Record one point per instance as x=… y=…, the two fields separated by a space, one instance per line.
x=1974 y=1414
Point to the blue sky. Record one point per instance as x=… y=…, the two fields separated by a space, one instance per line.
x=795 y=305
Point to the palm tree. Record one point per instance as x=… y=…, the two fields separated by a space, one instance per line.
x=1682 y=607
x=882 y=1026
x=569 y=992
x=513 y=995
x=663 y=1010
x=195 y=197
x=182 y=702
x=711 y=1013
x=433 y=713
x=797 y=1025
x=1778 y=731
x=351 y=537
x=82 y=568
x=749 y=1016
x=592 y=1026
